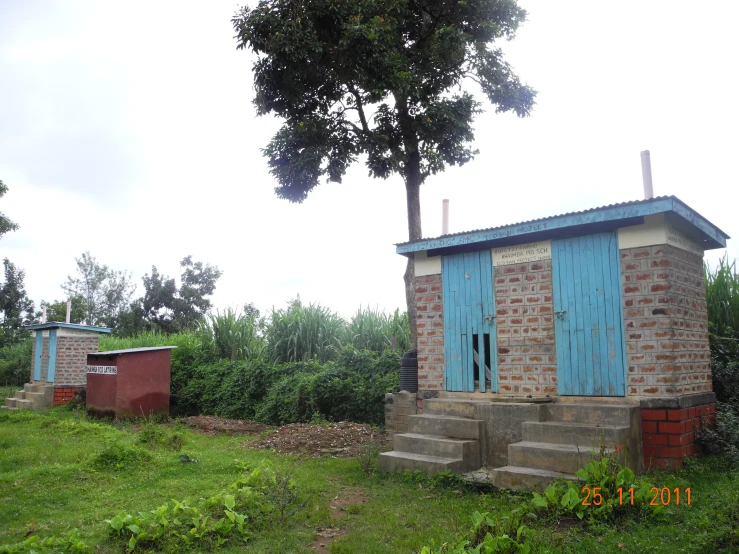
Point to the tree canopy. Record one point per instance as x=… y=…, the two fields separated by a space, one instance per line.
x=167 y=308
x=16 y=309
x=105 y=292
x=389 y=80
x=377 y=77
x=6 y=225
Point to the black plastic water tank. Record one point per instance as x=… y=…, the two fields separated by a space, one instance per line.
x=409 y=371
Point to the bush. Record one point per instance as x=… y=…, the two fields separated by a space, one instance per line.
x=118 y=456
x=723 y=438
x=15 y=363
x=302 y=333
x=351 y=388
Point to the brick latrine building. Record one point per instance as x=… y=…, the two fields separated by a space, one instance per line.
x=538 y=341
x=59 y=364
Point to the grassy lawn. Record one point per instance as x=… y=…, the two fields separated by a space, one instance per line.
x=52 y=480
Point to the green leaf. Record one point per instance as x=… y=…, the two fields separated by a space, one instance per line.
x=229 y=501
x=134 y=528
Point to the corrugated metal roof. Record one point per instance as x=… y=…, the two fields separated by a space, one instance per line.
x=63 y=325
x=530 y=221
x=130 y=350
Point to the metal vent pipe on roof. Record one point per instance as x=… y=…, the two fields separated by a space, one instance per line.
x=69 y=310
x=646 y=173
x=445 y=217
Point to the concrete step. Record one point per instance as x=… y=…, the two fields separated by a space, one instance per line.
x=583 y=434
x=399 y=461
x=442 y=447
x=10 y=402
x=39 y=400
x=22 y=404
x=525 y=478
x=563 y=458
x=446 y=426
x=597 y=414
x=30 y=387
x=452 y=407
x=21 y=395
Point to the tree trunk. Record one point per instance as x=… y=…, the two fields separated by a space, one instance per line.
x=413 y=200
x=413 y=179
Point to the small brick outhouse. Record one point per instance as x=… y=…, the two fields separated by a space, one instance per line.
x=555 y=334
x=58 y=367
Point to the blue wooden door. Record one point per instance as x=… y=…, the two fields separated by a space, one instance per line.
x=470 y=345
x=586 y=275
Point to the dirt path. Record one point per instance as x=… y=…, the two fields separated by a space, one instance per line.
x=346 y=502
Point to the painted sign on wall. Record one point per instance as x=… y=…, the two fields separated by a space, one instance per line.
x=103 y=369
x=522 y=253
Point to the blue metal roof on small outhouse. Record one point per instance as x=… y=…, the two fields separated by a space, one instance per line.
x=572 y=224
x=60 y=324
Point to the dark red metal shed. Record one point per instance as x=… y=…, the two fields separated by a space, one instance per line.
x=129 y=383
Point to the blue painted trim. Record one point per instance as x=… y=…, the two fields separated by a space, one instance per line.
x=51 y=370
x=37 y=356
x=58 y=325
x=701 y=223
x=717 y=238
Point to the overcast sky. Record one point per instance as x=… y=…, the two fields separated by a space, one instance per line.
x=127 y=129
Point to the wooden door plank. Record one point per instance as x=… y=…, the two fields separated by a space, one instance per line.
x=600 y=340
x=619 y=344
x=587 y=260
x=559 y=294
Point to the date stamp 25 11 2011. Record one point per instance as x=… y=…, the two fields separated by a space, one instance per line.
x=659 y=496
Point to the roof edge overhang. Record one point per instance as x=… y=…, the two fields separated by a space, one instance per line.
x=571 y=224
x=58 y=324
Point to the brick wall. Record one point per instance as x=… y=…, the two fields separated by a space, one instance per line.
x=666 y=322
x=62 y=395
x=668 y=435
x=527 y=359
x=71 y=359
x=398 y=406
x=430 y=321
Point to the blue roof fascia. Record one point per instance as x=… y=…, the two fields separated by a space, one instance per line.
x=538 y=226
x=702 y=224
x=716 y=237
x=57 y=324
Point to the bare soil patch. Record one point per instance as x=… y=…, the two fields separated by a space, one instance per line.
x=343 y=439
x=213 y=425
x=349 y=501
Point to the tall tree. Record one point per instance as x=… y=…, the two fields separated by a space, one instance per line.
x=167 y=308
x=378 y=78
x=5 y=224
x=16 y=309
x=105 y=292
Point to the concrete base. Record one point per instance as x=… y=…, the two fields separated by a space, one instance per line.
x=519 y=444
x=34 y=396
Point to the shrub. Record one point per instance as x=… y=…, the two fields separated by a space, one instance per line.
x=302 y=333
x=154 y=436
x=118 y=456
x=232 y=335
x=723 y=438
x=15 y=363
x=288 y=401
x=722 y=298
x=374 y=330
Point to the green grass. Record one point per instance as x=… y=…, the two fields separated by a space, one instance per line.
x=49 y=484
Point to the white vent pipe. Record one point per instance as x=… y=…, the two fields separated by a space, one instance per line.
x=646 y=173
x=69 y=310
x=445 y=217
